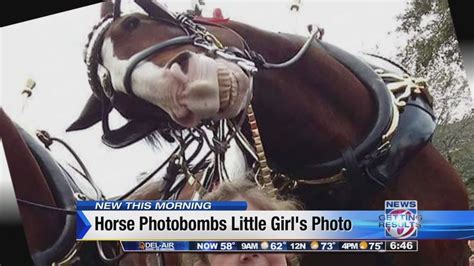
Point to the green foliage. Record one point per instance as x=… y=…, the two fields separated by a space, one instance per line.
x=432 y=51
x=455 y=141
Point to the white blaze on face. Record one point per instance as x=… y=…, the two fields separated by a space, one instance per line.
x=211 y=89
x=145 y=80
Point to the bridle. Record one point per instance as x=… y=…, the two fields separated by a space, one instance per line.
x=353 y=160
x=373 y=146
x=196 y=34
x=223 y=131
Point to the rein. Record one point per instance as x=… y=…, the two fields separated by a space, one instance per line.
x=176 y=155
x=47 y=207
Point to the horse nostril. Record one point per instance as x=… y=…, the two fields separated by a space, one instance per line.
x=182 y=60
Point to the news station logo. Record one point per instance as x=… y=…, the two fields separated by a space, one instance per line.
x=401 y=219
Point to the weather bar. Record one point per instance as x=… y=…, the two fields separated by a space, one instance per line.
x=272 y=246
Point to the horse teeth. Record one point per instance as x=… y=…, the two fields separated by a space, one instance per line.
x=225 y=81
x=234 y=89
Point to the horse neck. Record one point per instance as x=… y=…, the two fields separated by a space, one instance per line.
x=311 y=110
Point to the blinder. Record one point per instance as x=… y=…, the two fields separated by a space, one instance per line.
x=142 y=120
x=142 y=115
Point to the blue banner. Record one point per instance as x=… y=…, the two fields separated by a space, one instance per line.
x=391 y=224
x=178 y=205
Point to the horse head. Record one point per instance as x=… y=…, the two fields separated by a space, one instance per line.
x=159 y=72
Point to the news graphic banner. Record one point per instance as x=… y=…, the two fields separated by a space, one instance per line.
x=272 y=246
x=229 y=220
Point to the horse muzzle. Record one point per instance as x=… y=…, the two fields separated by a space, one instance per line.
x=210 y=89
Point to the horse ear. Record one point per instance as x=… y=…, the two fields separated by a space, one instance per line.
x=90 y=115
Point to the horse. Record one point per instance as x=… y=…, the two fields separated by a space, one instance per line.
x=329 y=128
x=46 y=192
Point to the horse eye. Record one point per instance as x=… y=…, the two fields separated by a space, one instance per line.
x=131 y=23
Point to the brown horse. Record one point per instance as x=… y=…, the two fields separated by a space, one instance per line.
x=46 y=198
x=307 y=113
x=31 y=185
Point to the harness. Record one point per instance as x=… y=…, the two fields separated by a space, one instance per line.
x=365 y=159
x=354 y=162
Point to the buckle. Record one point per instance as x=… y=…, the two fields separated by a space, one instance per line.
x=379 y=153
x=383 y=149
x=283 y=183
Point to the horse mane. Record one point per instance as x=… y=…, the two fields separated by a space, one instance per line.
x=155 y=140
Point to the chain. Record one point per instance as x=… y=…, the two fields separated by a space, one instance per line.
x=264 y=177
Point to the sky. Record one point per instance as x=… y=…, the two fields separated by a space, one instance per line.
x=50 y=49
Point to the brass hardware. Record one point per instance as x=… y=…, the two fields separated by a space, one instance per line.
x=210 y=38
x=214 y=40
x=266 y=178
x=283 y=183
x=264 y=175
x=407 y=86
x=193 y=182
x=339 y=177
x=393 y=122
x=70 y=256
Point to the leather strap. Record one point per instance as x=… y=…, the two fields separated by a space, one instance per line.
x=352 y=169
x=137 y=58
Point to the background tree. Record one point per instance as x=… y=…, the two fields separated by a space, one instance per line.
x=432 y=51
